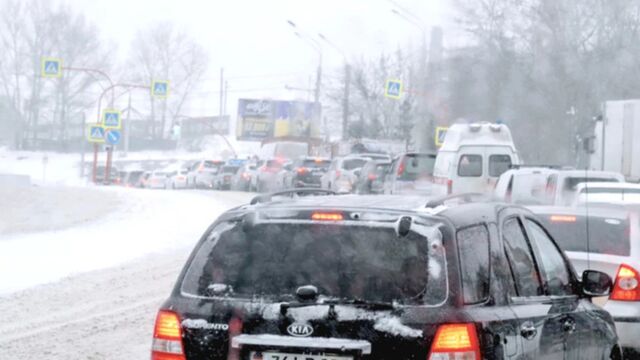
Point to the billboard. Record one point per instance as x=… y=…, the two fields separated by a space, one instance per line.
x=263 y=119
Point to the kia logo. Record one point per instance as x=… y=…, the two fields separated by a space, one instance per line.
x=299 y=330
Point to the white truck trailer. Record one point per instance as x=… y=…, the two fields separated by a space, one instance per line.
x=616 y=143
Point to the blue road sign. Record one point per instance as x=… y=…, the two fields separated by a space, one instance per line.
x=95 y=134
x=111 y=119
x=160 y=89
x=113 y=137
x=51 y=67
x=393 y=89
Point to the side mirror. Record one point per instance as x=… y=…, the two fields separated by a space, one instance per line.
x=357 y=172
x=596 y=283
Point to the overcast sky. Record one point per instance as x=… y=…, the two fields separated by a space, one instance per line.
x=251 y=37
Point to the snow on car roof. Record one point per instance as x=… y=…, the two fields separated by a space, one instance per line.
x=392 y=202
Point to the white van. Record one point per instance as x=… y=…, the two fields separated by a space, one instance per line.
x=472 y=158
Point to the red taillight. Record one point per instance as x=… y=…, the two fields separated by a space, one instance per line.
x=401 y=169
x=201 y=168
x=302 y=170
x=455 y=341
x=338 y=173
x=327 y=216
x=246 y=176
x=449 y=187
x=371 y=177
x=627 y=284
x=167 y=337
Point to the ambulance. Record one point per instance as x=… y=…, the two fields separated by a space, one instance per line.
x=472 y=158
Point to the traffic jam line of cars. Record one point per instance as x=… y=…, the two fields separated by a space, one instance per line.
x=525 y=262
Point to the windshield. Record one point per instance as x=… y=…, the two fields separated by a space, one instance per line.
x=347 y=262
x=603 y=235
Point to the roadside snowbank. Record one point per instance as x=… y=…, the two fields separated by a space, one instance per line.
x=147 y=222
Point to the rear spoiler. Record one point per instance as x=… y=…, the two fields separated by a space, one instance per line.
x=292 y=193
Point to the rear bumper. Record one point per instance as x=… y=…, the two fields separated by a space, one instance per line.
x=626 y=315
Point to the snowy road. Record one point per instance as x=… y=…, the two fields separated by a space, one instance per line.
x=109 y=313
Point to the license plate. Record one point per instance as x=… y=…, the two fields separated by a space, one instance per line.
x=269 y=355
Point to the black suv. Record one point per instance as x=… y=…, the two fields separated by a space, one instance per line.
x=381 y=277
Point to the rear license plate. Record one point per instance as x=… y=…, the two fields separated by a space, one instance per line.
x=269 y=355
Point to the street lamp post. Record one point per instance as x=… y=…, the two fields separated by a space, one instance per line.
x=318 y=48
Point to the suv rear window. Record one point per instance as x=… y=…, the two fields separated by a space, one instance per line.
x=417 y=165
x=316 y=164
x=608 y=236
x=211 y=164
x=351 y=164
x=230 y=169
x=346 y=262
x=571 y=182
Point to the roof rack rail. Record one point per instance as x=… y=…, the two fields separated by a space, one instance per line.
x=291 y=193
x=521 y=166
x=464 y=198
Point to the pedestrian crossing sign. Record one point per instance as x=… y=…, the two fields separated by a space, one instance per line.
x=95 y=133
x=160 y=89
x=111 y=119
x=51 y=67
x=393 y=89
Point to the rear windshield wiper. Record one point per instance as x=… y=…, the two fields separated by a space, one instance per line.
x=371 y=305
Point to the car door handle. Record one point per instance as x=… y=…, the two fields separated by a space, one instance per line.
x=569 y=326
x=528 y=330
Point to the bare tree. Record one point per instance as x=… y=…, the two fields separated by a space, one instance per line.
x=162 y=52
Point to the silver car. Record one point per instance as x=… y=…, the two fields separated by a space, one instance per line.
x=607 y=239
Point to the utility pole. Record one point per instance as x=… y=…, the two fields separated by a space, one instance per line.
x=127 y=126
x=345 y=101
x=221 y=94
x=82 y=145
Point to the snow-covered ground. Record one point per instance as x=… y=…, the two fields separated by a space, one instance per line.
x=145 y=222
x=91 y=291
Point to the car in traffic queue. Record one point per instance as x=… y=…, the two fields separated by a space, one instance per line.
x=371 y=178
x=524 y=185
x=561 y=186
x=157 y=179
x=222 y=180
x=343 y=173
x=304 y=172
x=241 y=180
x=177 y=178
x=267 y=175
x=131 y=177
x=202 y=173
x=604 y=238
x=410 y=173
x=381 y=277
x=143 y=180
x=606 y=193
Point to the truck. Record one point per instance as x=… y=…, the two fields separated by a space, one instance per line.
x=614 y=145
